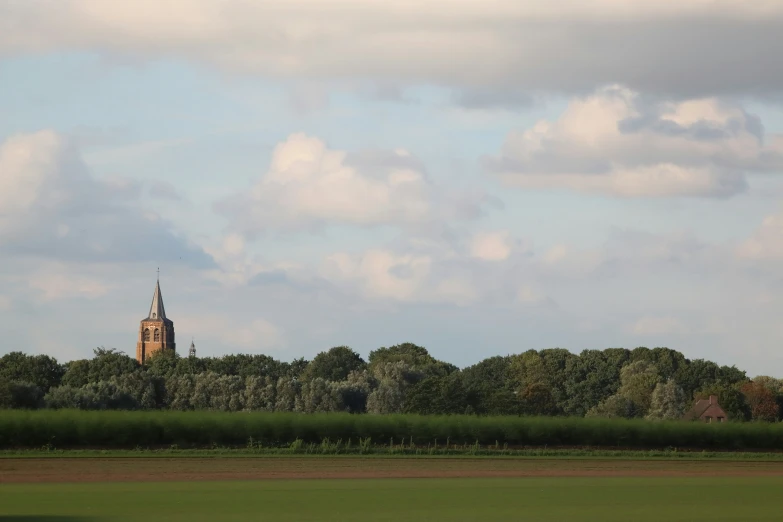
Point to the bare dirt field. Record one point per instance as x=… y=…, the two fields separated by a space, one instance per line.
x=31 y=470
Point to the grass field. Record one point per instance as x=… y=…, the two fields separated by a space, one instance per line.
x=347 y=488
x=387 y=489
x=532 y=499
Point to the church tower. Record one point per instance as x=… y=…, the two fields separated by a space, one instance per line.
x=156 y=332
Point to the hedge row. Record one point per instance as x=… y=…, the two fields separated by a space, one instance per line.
x=127 y=430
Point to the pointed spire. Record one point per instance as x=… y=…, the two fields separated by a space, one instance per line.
x=157 y=311
x=192 y=352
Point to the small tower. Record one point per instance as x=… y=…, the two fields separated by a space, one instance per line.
x=192 y=352
x=156 y=332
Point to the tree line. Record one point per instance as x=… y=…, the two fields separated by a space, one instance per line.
x=657 y=383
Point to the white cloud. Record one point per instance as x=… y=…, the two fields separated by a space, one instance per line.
x=52 y=207
x=54 y=283
x=308 y=185
x=381 y=273
x=614 y=142
x=766 y=242
x=227 y=331
x=527 y=295
x=31 y=173
x=729 y=46
x=491 y=246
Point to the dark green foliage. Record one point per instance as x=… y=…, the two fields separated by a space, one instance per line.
x=591 y=378
x=334 y=364
x=20 y=395
x=667 y=361
x=437 y=395
x=537 y=399
x=106 y=364
x=409 y=353
x=130 y=391
x=163 y=363
x=488 y=388
x=118 y=429
x=41 y=370
x=77 y=373
x=700 y=374
x=244 y=365
x=402 y=378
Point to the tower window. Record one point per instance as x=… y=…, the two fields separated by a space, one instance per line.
x=146 y=334
x=157 y=335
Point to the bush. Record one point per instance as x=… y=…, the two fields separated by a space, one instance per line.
x=129 y=429
x=21 y=395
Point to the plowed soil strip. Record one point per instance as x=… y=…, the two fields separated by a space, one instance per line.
x=186 y=469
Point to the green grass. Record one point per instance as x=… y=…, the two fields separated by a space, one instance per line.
x=432 y=500
x=161 y=429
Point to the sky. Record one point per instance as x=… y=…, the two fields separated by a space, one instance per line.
x=477 y=177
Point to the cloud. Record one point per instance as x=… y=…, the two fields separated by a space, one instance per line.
x=491 y=246
x=615 y=142
x=676 y=48
x=451 y=271
x=225 y=331
x=309 y=185
x=164 y=190
x=54 y=282
x=52 y=207
x=766 y=242
x=650 y=325
x=381 y=273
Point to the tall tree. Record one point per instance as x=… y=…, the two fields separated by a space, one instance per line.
x=40 y=370
x=334 y=364
x=761 y=401
x=668 y=402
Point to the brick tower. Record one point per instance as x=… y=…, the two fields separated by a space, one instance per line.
x=156 y=332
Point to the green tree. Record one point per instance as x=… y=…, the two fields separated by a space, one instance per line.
x=39 y=370
x=334 y=364
x=72 y=397
x=163 y=363
x=637 y=382
x=761 y=401
x=108 y=363
x=638 y=379
x=286 y=392
x=537 y=399
x=20 y=395
x=77 y=373
x=488 y=387
x=318 y=396
x=667 y=361
x=668 y=402
x=355 y=390
x=415 y=357
x=212 y=391
x=179 y=391
x=436 y=395
x=394 y=379
x=190 y=366
x=615 y=406
x=260 y=393
x=592 y=377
